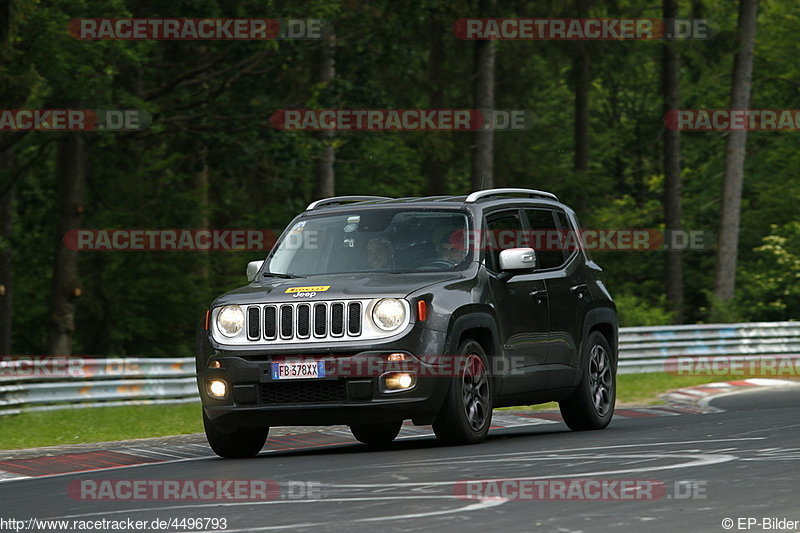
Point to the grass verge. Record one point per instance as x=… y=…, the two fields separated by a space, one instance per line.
x=73 y=426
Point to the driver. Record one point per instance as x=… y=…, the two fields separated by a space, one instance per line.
x=451 y=248
x=380 y=253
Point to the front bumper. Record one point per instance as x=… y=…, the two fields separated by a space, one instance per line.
x=352 y=391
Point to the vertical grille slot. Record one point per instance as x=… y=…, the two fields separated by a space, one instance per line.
x=320 y=320
x=354 y=318
x=337 y=319
x=270 y=327
x=253 y=323
x=286 y=321
x=303 y=320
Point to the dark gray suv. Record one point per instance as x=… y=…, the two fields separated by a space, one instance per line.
x=370 y=311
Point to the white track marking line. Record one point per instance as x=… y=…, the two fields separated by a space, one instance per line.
x=268 y=452
x=267 y=502
x=11 y=476
x=563 y=450
x=483 y=504
x=699 y=461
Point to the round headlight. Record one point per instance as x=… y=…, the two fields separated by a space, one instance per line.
x=388 y=314
x=230 y=320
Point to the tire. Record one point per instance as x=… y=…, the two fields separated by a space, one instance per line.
x=466 y=414
x=377 y=435
x=591 y=406
x=237 y=443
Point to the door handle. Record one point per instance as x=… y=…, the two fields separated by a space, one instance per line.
x=539 y=295
x=579 y=290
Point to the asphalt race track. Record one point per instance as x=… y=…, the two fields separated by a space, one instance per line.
x=737 y=464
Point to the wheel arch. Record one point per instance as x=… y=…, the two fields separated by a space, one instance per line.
x=603 y=320
x=477 y=323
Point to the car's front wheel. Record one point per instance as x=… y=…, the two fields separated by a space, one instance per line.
x=467 y=411
x=378 y=435
x=234 y=443
x=591 y=406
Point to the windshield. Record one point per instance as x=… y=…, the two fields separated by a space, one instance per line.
x=384 y=240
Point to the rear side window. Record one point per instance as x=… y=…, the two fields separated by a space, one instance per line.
x=570 y=235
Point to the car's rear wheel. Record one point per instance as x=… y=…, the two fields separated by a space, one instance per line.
x=591 y=406
x=376 y=434
x=467 y=411
x=234 y=443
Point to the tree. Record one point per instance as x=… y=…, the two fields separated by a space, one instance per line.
x=65 y=290
x=326 y=177
x=483 y=99
x=741 y=86
x=581 y=68
x=6 y=271
x=670 y=77
x=15 y=89
x=434 y=165
x=202 y=184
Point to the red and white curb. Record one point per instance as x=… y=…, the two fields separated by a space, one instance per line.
x=698 y=398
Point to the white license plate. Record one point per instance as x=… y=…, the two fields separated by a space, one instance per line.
x=312 y=370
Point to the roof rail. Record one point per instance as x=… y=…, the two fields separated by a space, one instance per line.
x=334 y=200
x=477 y=195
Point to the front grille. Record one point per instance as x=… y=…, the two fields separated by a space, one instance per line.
x=303 y=321
x=319 y=391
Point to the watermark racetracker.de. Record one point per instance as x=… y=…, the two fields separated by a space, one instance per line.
x=196 y=29
x=207 y=490
x=581 y=29
x=169 y=240
x=735 y=366
x=66 y=120
x=733 y=119
x=401 y=119
x=580 y=489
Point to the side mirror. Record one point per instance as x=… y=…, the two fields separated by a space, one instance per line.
x=252 y=269
x=517 y=259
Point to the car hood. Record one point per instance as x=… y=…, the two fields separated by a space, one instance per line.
x=339 y=286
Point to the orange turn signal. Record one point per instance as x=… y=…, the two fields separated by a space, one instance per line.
x=422 y=310
x=208 y=317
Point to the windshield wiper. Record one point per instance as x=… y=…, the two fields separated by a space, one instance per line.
x=282 y=276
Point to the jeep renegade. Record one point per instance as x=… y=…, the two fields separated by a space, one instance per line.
x=370 y=311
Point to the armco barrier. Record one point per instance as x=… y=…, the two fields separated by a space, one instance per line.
x=134 y=381
x=646 y=349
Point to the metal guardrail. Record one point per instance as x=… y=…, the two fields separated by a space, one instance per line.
x=86 y=383
x=101 y=382
x=651 y=349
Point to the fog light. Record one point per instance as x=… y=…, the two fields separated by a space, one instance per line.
x=396 y=357
x=217 y=388
x=400 y=380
